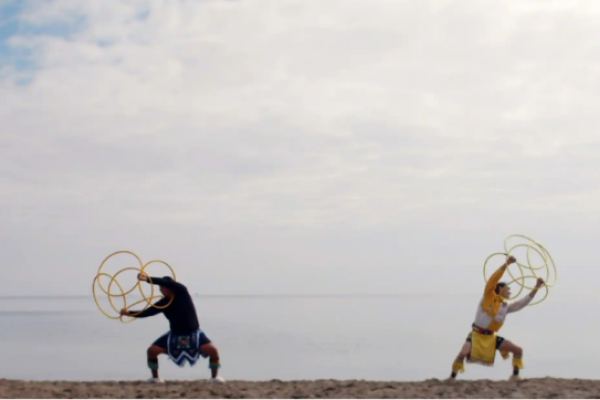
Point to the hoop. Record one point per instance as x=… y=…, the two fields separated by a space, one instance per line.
x=124 y=293
x=97 y=280
x=152 y=295
x=531 y=247
x=112 y=255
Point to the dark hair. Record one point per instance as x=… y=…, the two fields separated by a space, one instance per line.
x=167 y=278
x=499 y=287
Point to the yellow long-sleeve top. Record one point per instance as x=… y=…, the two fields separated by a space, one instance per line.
x=492 y=310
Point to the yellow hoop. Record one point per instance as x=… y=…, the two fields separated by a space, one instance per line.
x=142 y=290
x=542 y=252
x=97 y=280
x=532 y=246
x=114 y=279
x=528 y=266
x=112 y=255
x=123 y=293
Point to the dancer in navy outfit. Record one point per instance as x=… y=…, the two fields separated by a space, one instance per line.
x=185 y=341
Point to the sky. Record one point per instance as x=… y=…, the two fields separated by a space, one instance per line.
x=297 y=147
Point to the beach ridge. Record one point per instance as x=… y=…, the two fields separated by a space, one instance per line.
x=433 y=388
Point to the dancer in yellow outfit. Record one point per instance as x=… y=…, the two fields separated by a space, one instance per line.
x=482 y=342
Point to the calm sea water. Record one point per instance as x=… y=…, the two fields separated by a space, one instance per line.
x=263 y=338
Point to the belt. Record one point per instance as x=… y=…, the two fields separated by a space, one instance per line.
x=481 y=330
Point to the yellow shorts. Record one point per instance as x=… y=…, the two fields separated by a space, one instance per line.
x=483 y=348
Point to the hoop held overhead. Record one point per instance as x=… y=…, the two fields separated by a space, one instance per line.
x=532 y=247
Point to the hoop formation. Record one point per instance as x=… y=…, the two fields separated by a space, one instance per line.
x=122 y=294
x=547 y=269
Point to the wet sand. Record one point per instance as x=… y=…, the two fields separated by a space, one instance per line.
x=533 y=388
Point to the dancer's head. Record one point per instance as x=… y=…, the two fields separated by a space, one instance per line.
x=166 y=291
x=502 y=289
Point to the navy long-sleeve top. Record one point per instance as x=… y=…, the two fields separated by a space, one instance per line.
x=181 y=314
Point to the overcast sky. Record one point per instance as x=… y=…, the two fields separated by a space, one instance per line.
x=297 y=146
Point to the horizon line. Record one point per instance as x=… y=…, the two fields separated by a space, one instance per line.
x=256 y=295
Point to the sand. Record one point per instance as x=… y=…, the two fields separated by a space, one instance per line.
x=534 y=388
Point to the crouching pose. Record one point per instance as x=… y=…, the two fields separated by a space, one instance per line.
x=185 y=341
x=482 y=342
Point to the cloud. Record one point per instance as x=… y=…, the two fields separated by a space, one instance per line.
x=336 y=114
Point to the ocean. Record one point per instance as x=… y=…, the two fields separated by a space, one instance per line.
x=401 y=338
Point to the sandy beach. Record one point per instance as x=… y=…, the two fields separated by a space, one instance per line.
x=534 y=388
